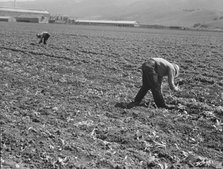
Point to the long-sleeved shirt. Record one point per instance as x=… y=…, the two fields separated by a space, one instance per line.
x=165 y=68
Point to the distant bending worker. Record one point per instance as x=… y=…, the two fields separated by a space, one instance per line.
x=153 y=72
x=44 y=36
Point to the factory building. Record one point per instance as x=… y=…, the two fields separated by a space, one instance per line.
x=24 y=15
x=107 y=22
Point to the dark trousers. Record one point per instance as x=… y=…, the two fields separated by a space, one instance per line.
x=44 y=38
x=151 y=81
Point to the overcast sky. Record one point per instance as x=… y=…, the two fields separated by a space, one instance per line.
x=13 y=0
x=207 y=4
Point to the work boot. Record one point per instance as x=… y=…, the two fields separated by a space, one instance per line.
x=170 y=107
x=132 y=104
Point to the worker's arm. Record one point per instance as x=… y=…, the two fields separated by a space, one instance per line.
x=41 y=39
x=171 y=75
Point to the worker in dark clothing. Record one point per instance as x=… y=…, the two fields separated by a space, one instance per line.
x=44 y=36
x=153 y=72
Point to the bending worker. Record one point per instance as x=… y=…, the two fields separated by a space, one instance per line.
x=44 y=36
x=153 y=72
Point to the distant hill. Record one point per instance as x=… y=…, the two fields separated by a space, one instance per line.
x=188 y=13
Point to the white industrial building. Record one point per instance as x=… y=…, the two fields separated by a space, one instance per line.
x=107 y=22
x=24 y=15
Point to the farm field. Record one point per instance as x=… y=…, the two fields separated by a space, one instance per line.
x=63 y=105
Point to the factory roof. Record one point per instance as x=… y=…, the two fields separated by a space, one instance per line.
x=106 y=21
x=23 y=10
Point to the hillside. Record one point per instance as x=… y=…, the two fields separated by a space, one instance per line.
x=177 y=13
x=186 y=18
x=161 y=12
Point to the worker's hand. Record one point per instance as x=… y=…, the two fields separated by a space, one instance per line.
x=180 y=82
x=177 y=89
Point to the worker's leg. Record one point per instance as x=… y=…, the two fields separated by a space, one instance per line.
x=46 y=38
x=156 y=91
x=144 y=89
x=154 y=83
x=40 y=41
x=147 y=68
x=44 y=41
x=158 y=98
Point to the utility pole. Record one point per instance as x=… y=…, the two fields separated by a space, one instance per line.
x=14 y=3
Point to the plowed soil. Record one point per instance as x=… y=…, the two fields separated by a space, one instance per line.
x=63 y=105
